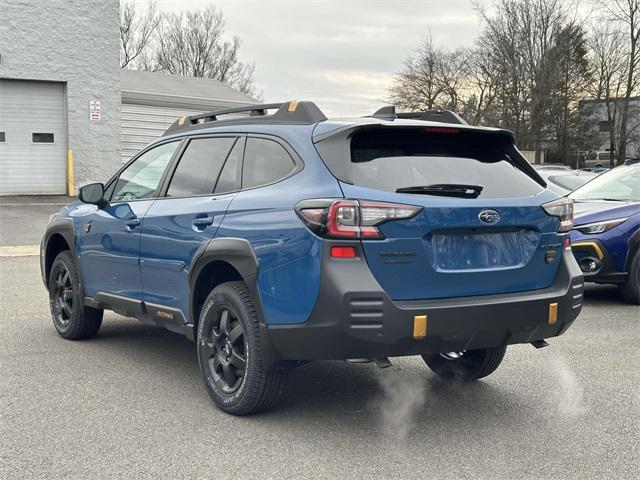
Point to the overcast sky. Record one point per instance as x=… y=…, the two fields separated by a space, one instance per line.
x=339 y=53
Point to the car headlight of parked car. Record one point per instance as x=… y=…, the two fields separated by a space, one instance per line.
x=600 y=227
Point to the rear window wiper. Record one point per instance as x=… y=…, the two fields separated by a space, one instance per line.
x=445 y=190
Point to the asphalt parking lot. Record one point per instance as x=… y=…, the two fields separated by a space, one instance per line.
x=129 y=403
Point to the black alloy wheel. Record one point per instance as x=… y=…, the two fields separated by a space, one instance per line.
x=62 y=298
x=239 y=370
x=71 y=317
x=226 y=350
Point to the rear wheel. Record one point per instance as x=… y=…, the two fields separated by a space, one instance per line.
x=232 y=353
x=467 y=365
x=631 y=289
x=72 y=319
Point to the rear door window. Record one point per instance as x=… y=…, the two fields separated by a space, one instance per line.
x=199 y=166
x=399 y=158
x=265 y=161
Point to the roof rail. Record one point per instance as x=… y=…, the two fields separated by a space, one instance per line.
x=253 y=110
x=292 y=112
x=443 y=116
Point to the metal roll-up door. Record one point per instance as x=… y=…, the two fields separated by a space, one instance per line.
x=33 y=138
x=143 y=123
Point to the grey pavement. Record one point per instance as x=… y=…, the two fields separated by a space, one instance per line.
x=129 y=404
x=24 y=218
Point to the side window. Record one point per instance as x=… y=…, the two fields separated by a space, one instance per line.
x=265 y=161
x=199 y=167
x=141 y=178
x=229 y=180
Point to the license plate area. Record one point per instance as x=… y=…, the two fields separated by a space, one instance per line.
x=481 y=250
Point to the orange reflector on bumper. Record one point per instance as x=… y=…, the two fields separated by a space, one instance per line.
x=419 y=327
x=553 y=313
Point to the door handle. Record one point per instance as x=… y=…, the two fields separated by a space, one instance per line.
x=202 y=222
x=131 y=223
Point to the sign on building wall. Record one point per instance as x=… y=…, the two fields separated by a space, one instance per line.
x=94 y=111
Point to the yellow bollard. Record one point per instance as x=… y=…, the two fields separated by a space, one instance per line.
x=70 y=190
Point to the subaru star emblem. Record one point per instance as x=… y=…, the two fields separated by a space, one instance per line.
x=489 y=216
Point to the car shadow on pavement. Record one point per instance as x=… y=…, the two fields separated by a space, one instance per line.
x=394 y=402
x=601 y=294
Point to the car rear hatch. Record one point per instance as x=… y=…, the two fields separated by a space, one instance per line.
x=479 y=229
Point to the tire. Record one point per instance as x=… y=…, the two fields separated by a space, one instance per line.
x=232 y=353
x=465 y=366
x=72 y=319
x=631 y=289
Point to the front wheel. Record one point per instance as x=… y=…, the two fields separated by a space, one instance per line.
x=232 y=353
x=467 y=365
x=631 y=288
x=72 y=319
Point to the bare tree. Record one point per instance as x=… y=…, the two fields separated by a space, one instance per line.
x=136 y=32
x=530 y=70
x=626 y=13
x=608 y=63
x=502 y=45
x=480 y=83
x=192 y=43
x=420 y=85
x=569 y=77
x=523 y=35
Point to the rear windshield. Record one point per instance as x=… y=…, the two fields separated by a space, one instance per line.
x=391 y=159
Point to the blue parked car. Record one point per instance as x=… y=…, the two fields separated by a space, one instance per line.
x=276 y=239
x=606 y=236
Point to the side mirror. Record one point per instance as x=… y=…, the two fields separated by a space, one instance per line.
x=93 y=193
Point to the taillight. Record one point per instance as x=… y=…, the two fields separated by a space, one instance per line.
x=561 y=208
x=351 y=218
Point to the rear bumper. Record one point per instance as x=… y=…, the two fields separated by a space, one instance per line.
x=354 y=318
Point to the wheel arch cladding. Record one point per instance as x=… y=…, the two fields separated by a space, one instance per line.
x=59 y=236
x=222 y=260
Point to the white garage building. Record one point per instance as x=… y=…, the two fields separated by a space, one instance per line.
x=68 y=114
x=153 y=101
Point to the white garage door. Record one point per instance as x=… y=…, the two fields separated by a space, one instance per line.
x=33 y=139
x=143 y=123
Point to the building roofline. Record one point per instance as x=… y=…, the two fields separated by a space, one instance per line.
x=613 y=99
x=163 y=89
x=139 y=97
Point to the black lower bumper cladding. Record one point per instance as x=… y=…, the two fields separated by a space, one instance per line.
x=354 y=317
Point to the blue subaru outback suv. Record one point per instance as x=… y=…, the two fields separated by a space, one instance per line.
x=272 y=239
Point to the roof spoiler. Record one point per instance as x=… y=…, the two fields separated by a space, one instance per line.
x=442 y=116
x=293 y=112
